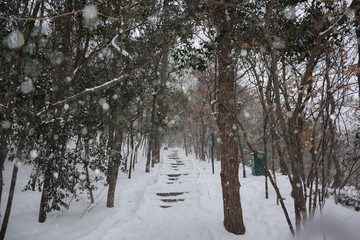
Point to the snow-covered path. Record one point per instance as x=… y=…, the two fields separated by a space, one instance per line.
x=180 y=199
x=165 y=210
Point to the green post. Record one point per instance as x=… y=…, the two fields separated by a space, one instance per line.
x=212 y=140
x=212 y=151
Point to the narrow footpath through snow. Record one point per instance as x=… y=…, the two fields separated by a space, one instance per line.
x=166 y=210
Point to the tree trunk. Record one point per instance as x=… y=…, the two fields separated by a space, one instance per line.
x=156 y=148
x=196 y=140
x=2 y=160
x=48 y=175
x=357 y=28
x=132 y=155
x=155 y=143
x=242 y=157
x=150 y=161
x=184 y=136
x=202 y=139
x=233 y=219
x=115 y=141
x=148 y=157
x=112 y=180
x=127 y=153
x=87 y=161
x=44 y=194
x=9 y=202
x=265 y=130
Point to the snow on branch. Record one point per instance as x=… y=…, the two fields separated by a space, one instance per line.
x=122 y=51
x=341 y=20
x=331 y=29
x=213 y=101
x=111 y=83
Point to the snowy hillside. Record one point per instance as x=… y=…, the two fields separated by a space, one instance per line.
x=179 y=199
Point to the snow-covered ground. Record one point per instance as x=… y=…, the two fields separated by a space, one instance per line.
x=179 y=199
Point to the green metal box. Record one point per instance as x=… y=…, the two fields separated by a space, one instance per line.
x=257 y=167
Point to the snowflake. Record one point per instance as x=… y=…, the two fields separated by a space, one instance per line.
x=15 y=39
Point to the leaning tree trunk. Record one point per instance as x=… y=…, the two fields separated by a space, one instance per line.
x=10 y=201
x=233 y=219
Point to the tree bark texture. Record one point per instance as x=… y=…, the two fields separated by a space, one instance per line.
x=233 y=219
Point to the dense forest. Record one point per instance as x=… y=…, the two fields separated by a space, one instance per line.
x=85 y=85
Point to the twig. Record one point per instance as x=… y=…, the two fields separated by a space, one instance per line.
x=92 y=203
